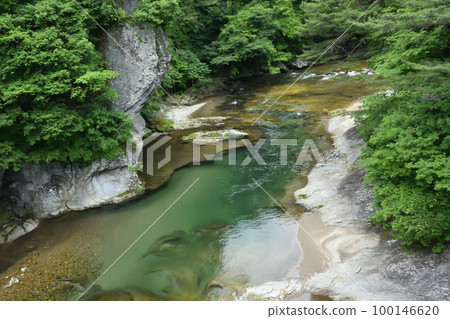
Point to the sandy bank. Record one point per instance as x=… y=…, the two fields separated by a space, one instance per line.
x=183 y=113
x=185 y=116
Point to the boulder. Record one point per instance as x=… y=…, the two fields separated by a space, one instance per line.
x=283 y=68
x=200 y=121
x=298 y=64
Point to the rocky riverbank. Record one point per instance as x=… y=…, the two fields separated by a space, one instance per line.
x=332 y=219
x=345 y=257
x=55 y=267
x=364 y=262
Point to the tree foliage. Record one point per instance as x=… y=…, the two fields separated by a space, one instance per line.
x=235 y=38
x=261 y=34
x=159 y=12
x=325 y=20
x=54 y=102
x=408 y=130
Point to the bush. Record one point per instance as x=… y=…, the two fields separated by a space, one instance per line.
x=151 y=112
x=261 y=35
x=408 y=130
x=406 y=159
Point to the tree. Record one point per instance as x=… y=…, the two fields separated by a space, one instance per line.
x=261 y=34
x=54 y=102
x=408 y=130
x=326 y=20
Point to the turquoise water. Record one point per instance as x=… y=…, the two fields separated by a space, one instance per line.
x=224 y=229
x=224 y=225
x=224 y=221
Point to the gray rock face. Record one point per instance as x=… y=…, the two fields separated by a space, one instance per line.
x=127 y=5
x=139 y=54
x=53 y=189
x=376 y=267
x=11 y=233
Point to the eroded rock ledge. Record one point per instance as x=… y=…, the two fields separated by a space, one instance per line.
x=376 y=266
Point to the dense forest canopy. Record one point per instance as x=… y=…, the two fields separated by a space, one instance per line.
x=55 y=101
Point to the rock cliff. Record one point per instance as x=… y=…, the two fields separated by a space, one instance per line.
x=139 y=54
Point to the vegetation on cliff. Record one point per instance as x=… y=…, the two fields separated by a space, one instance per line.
x=408 y=130
x=54 y=95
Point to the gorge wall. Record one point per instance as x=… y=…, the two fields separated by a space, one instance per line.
x=139 y=55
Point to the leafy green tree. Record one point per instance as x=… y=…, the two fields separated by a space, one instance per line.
x=186 y=70
x=54 y=100
x=407 y=160
x=408 y=131
x=261 y=34
x=157 y=12
x=325 y=20
x=190 y=26
x=221 y=36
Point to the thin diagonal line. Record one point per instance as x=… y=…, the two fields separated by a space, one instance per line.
x=323 y=53
x=137 y=239
x=133 y=59
x=309 y=235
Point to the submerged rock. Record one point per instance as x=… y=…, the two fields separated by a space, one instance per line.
x=163 y=243
x=11 y=282
x=213 y=227
x=127 y=294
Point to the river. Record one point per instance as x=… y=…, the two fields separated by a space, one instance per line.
x=225 y=224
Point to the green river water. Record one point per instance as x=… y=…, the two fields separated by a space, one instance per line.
x=224 y=224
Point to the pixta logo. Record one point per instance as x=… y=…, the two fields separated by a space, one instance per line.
x=309 y=147
x=152 y=152
x=150 y=146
